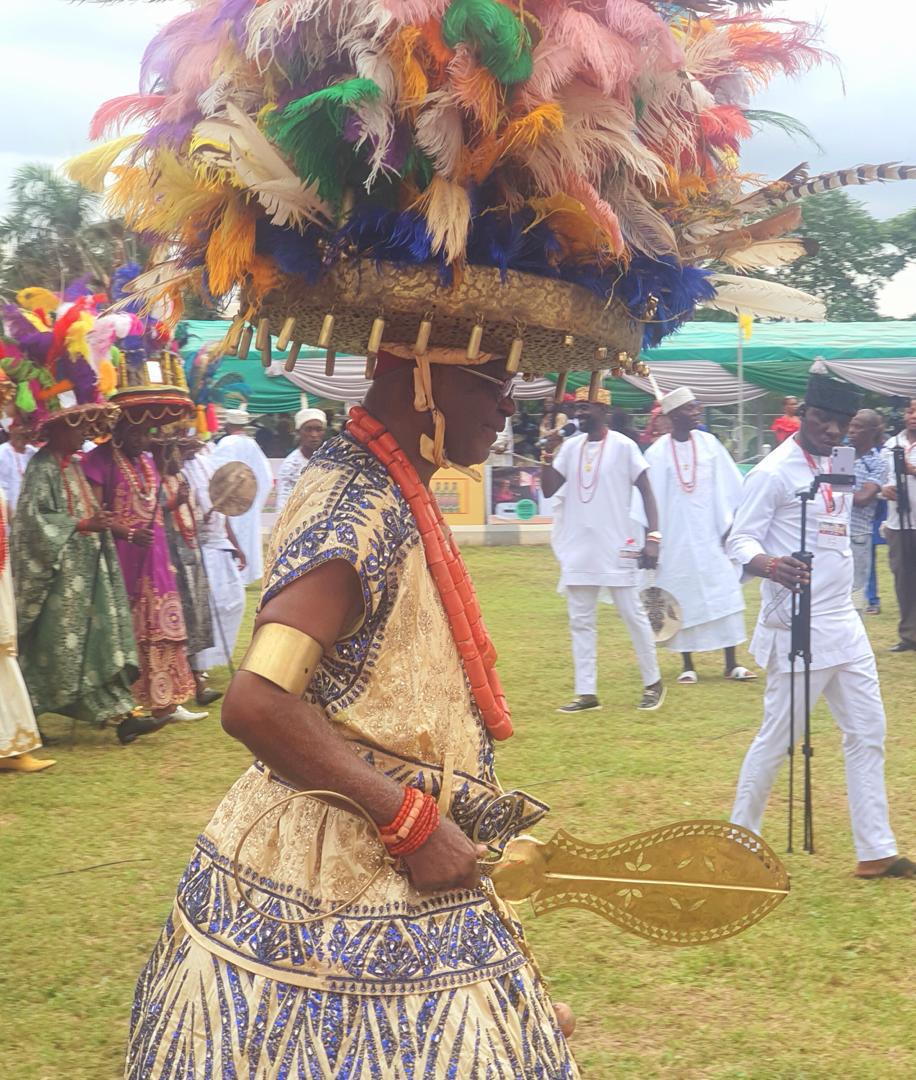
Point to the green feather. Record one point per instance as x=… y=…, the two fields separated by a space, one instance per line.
x=795 y=129
x=500 y=39
x=25 y=400
x=309 y=131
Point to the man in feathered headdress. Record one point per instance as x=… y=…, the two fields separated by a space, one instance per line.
x=76 y=641
x=458 y=190
x=126 y=483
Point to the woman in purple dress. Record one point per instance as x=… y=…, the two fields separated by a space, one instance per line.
x=126 y=482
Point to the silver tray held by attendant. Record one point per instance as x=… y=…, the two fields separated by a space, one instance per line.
x=665 y=616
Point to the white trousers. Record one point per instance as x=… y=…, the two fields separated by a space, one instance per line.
x=227 y=607
x=582 y=604
x=853 y=696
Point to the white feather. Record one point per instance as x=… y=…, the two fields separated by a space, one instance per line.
x=597 y=136
x=154 y=283
x=766 y=254
x=264 y=171
x=440 y=132
x=447 y=208
x=764 y=299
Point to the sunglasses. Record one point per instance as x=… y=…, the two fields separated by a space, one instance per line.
x=506 y=386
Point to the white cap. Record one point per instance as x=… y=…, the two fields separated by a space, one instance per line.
x=237 y=417
x=303 y=416
x=682 y=396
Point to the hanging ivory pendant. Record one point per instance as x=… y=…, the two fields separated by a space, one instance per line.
x=245 y=343
x=286 y=333
x=560 y=391
x=375 y=341
x=235 y=332
x=370 y=367
x=514 y=359
x=601 y=354
x=594 y=385
x=329 y=359
x=266 y=351
x=327 y=330
x=474 y=342
x=423 y=336
x=293 y=356
x=568 y=341
x=262 y=334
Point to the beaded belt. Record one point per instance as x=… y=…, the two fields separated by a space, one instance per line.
x=482 y=810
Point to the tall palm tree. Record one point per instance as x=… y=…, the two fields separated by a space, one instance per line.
x=55 y=232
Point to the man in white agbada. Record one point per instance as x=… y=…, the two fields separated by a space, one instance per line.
x=594 y=539
x=697 y=487
x=238 y=445
x=311 y=427
x=15 y=456
x=765 y=533
x=19 y=734
x=223 y=562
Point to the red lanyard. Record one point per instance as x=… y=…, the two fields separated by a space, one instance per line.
x=826 y=489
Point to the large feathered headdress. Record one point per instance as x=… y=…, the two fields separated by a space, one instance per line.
x=556 y=182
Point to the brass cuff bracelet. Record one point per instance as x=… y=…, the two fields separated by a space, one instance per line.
x=284 y=656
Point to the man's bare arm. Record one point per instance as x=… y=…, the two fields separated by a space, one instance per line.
x=296 y=740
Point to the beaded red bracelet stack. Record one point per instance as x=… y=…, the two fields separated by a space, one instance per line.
x=414 y=824
x=771 y=565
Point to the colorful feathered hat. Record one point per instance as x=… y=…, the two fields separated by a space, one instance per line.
x=50 y=358
x=553 y=182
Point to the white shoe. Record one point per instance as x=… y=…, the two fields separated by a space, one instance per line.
x=181 y=713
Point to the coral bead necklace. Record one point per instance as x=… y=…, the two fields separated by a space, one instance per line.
x=448 y=571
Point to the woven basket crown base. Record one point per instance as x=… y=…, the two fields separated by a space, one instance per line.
x=563 y=327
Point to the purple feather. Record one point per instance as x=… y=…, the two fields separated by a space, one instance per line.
x=235 y=12
x=168 y=48
x=78 y=288
x=171 y=133
x=122 y=277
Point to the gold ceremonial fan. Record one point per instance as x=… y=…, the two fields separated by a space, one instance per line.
x=689 y=883
x=685 y=884
x=233 y=488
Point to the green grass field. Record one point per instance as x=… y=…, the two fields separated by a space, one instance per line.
x=91 y=851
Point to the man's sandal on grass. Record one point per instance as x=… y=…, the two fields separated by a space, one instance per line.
x=899 y=868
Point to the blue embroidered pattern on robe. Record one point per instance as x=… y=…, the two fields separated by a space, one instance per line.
x=363 y=498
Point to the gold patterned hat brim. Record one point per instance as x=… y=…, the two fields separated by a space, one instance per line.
x=564 y=327
x=98 y=418
x=152 y=406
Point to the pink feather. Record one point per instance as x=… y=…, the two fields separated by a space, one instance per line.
x=600 y=211
x=177 y=40
x=554 y=65
x=113 y=114
x=610 y=59
x=640 y=24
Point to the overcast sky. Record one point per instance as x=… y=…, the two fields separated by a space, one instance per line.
x=61 y=60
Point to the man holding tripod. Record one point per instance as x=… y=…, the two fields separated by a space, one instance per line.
x=766 y=532
x=900 y=454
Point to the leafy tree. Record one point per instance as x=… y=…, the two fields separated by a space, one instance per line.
x=854 y=261
x=55 y=232
x=901 y=232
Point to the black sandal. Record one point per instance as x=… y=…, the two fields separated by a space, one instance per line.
x=899 y=868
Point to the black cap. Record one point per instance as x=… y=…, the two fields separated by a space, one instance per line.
x=833 y=395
